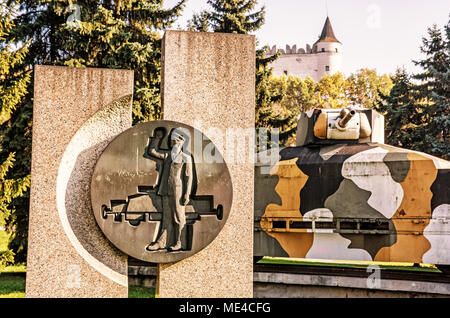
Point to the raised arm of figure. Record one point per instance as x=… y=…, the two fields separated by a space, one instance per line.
x=154 y=151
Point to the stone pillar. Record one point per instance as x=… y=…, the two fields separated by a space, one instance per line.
x=77 y=112
x=208 y=81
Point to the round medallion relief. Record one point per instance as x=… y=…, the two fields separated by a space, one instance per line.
x=161 y=191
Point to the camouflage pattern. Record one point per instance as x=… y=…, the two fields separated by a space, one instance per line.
x=354 y=201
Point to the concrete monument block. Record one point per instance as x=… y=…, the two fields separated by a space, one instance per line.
x=208 y=82
x=77 y=112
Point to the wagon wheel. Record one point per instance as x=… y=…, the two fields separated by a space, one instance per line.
x=134 y=222
x=219 y=212
x=105 y=211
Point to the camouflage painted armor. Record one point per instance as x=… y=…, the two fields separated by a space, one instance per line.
x=354 y=198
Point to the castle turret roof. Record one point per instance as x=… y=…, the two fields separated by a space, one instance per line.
x=327 y=33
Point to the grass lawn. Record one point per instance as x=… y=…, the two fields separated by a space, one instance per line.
x=12 y=284
x=12 y=279
x=141 y=292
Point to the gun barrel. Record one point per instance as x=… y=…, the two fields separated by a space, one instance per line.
x=346 y=117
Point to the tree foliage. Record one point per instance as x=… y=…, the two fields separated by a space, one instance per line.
x=14 y=81
x=109 y=33
x=365 y=87
x=229 y=16
x=417 y=112
x=434 y=89
x=123 y=34
x=403 y=114
x=89 y=33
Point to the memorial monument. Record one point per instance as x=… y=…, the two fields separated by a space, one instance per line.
x=102 y=190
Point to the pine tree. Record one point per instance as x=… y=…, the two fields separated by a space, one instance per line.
x=434 y=89
x=404 y=117
x=240 y=17
x=109 y=33
x=123 y=34
x=13 y=83
x=14 y=79
x=93 y=33
x=229 y=16
x=199 y=22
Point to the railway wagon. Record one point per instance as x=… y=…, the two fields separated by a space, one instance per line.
x=343 y=194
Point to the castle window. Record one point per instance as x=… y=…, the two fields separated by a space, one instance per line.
x=336 y=50
x=285 y=73
x=323 y=49
x=327 y=68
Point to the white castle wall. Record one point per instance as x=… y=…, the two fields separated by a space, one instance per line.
x=310 y=62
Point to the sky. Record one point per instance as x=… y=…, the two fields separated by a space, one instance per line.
x=377 y=34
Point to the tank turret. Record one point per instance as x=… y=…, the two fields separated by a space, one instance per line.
x=334 y=126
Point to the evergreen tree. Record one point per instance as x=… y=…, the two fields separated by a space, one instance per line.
x=109 y=33
x=404 y=117
x=14 y=81
x=93 y=33
x=229 y=16
x=199 y=22
x=269 y=113
x=123 y=34
x=434 y=90
x=241 y=17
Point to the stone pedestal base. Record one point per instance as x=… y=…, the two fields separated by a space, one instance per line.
x=209 y=82
x=77 y=112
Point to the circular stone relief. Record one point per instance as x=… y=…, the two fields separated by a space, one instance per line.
x=161 y=191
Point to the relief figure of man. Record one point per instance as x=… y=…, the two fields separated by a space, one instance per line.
x=175 y=186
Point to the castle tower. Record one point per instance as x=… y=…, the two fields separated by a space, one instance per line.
x=328 y=50
x=324 y=57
